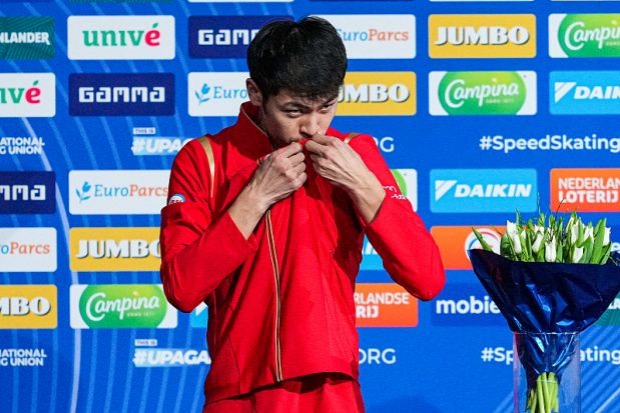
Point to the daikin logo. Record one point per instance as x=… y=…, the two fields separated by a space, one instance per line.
x=584 y=35
x=585 y=92
x=483 y=190
x=482 y=93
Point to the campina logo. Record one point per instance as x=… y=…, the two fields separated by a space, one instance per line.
x=28 y=306
x=482 y=93
x=27 y=192
x=105 y=94
x=216 y=93
x=120 y=306
x=124 y=192
x=591 y=93
x=584 y=35
x=384 y=305
x=465 y=304
x=224 y=36
x=585 y=190
x=26 y=37
x=454 y=241
x=27 y=95
x=115 y=249
x=120 y=37
x=376 y=36
x=482 y=35
x=378 y=93
x=483 y=190
x=28 y=249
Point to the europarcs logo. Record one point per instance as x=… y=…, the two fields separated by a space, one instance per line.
x=584 y=35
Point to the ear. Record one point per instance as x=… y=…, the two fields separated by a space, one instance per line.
x=254 y=93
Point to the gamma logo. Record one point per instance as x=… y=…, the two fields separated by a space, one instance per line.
x=483 y=190
x=378 y=93
x=216 y=93
x=27 y=95
x=586 y=190
x=224 y=36
x=455 y=241
x=27 y=37
x=121 y=306
x=584 y=35
x=120 y=37
x=27 y=192
x=28 y=306
x=482 y=36
x=465 y=304
x=588 y=93
x=482 y=93
x=129 y=94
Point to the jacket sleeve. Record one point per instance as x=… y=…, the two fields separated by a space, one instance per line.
x=198 y=249
x=409 y=253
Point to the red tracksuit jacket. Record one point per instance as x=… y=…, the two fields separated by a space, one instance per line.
x=281 y=302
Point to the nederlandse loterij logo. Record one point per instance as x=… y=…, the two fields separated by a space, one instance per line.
x=27 y=95
x=224 y=36
x=26 y=37
x=587 y=190
x=482 y=93
x=584 y=35
x=32 y=192
x=128 y=94
x=216 y=93
x=28 y=249
x=121 y=306
x=465 y=304
x=483 y=190
x=482 y=35
x=115 y=249
x=376 y=36
x=454 y=241
x=120 y=37
x=378 y=93
x=587 y=93
x=384 y=305
x=28 y=306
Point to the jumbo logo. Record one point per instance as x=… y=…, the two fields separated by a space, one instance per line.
x=482 y=36
x=585 y=190
x=27 y=192
x=28 y=306
x=584 y=35
x=384 y=305
x=105 y=94
x=224 y=36
x=455 y=241
x=27 y=95
x=378 y=93
x=483 y=190
x=115 y=249
x=120 y=37
x=482 y=93
x=27 y=37
x=587 y=93
x=28 y=249
x=216 y=93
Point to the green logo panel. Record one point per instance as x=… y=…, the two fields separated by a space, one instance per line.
x=590 y=35
x=26 y=38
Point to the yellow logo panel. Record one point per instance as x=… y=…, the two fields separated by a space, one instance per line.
x=115 y=249
x=378 y=93
x=28 y=306
x=482 y=35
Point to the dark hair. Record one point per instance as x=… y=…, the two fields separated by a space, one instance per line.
x=307 y=58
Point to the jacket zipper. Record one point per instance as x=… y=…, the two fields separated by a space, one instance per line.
x=276 y=275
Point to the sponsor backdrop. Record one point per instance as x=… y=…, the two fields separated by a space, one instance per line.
x=478 y=113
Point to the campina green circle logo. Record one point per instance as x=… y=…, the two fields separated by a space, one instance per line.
x=482 y=93
x=590 y=35
x=117 y=306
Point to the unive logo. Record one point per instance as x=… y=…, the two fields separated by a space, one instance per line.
x=465 y=304
x=483 y=190
x=378 y=93
x=121 y=306
x=482 y=36
x=585 y=190
x=28 y=249
x=455 y=241
x=27 y=95
x=27 y=192
x=376 y=36
x=587 y=93
x=120 y=37
x=122 y=192
x=482 y=93
x=584 y=35
x=115 y=249
x=26 y=37
x=384 y=305
x=28 y=306
x=224 y=36
x=216 y=93
x=129 y=94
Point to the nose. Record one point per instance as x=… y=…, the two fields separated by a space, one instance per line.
x=310 y=125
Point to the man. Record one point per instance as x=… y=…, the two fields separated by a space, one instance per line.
x=265 y=223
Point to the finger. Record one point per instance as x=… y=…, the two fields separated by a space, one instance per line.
x=290 y=149
x=298 y=169
x=322 y=139
x=314 y=147
x=297 y=158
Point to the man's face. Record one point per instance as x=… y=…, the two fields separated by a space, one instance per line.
x=289 y=118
